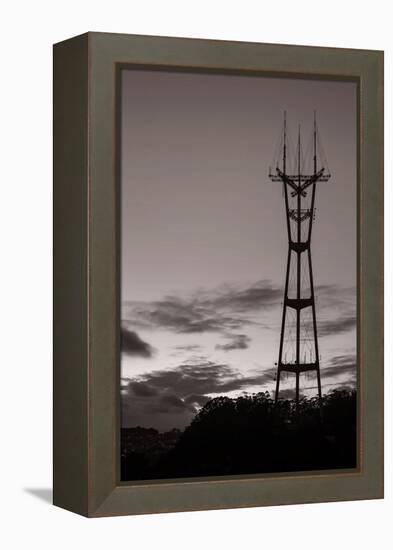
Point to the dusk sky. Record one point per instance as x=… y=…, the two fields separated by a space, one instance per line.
x=204 y=241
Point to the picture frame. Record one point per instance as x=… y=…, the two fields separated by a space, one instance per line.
x=86 y=412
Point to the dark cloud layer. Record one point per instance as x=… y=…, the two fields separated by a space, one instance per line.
x=201 y=378
x=341 y=365
x=181 y=316
x=335 y=296
x=261 y=294
x=230 y=308
x=165 y=399
x=236 y=341
x=221 y=309
x=168 y=398
x=132 y=344
x=188 y=347
x=337 y=326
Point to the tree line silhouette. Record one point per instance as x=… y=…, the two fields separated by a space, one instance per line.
x=248 y=435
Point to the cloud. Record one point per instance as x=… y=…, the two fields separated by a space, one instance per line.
x=182 y=350
x=170 y=398
x=142 y=389
x=221 y=309
x=237 y=341
x=188 y=347
x=336 y=296
x=340 y=360
x=163 y=412
x=132 y=344
x=259 y=295
x=172 y=401
x=337 y=326
x=341 y=365
x=181 y=316
x=207 y=377
x=228 y=308
x=339 y=305
x=197 y=400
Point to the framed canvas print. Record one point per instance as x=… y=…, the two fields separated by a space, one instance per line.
x=218 y=291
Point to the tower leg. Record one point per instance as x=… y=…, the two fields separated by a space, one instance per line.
x=297 y=391
x=277 y=386
x=314 y=320
x=284 y=313
x=319 y=385
x=319 y=394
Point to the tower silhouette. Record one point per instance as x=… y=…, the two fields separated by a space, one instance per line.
x=299 y=172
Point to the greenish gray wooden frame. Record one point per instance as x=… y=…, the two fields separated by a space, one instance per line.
x=86 y=274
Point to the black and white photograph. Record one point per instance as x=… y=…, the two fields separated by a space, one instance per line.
x=238 y=274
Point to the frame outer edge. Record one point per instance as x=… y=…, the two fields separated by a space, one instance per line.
x=105 y=497
x=371 y=274
x=70 y=272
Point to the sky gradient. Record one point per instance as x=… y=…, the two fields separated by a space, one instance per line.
x=204 y=242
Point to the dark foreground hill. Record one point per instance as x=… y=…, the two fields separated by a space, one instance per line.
x=248 y=435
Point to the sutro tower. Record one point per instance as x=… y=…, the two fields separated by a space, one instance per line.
x=299 y=171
